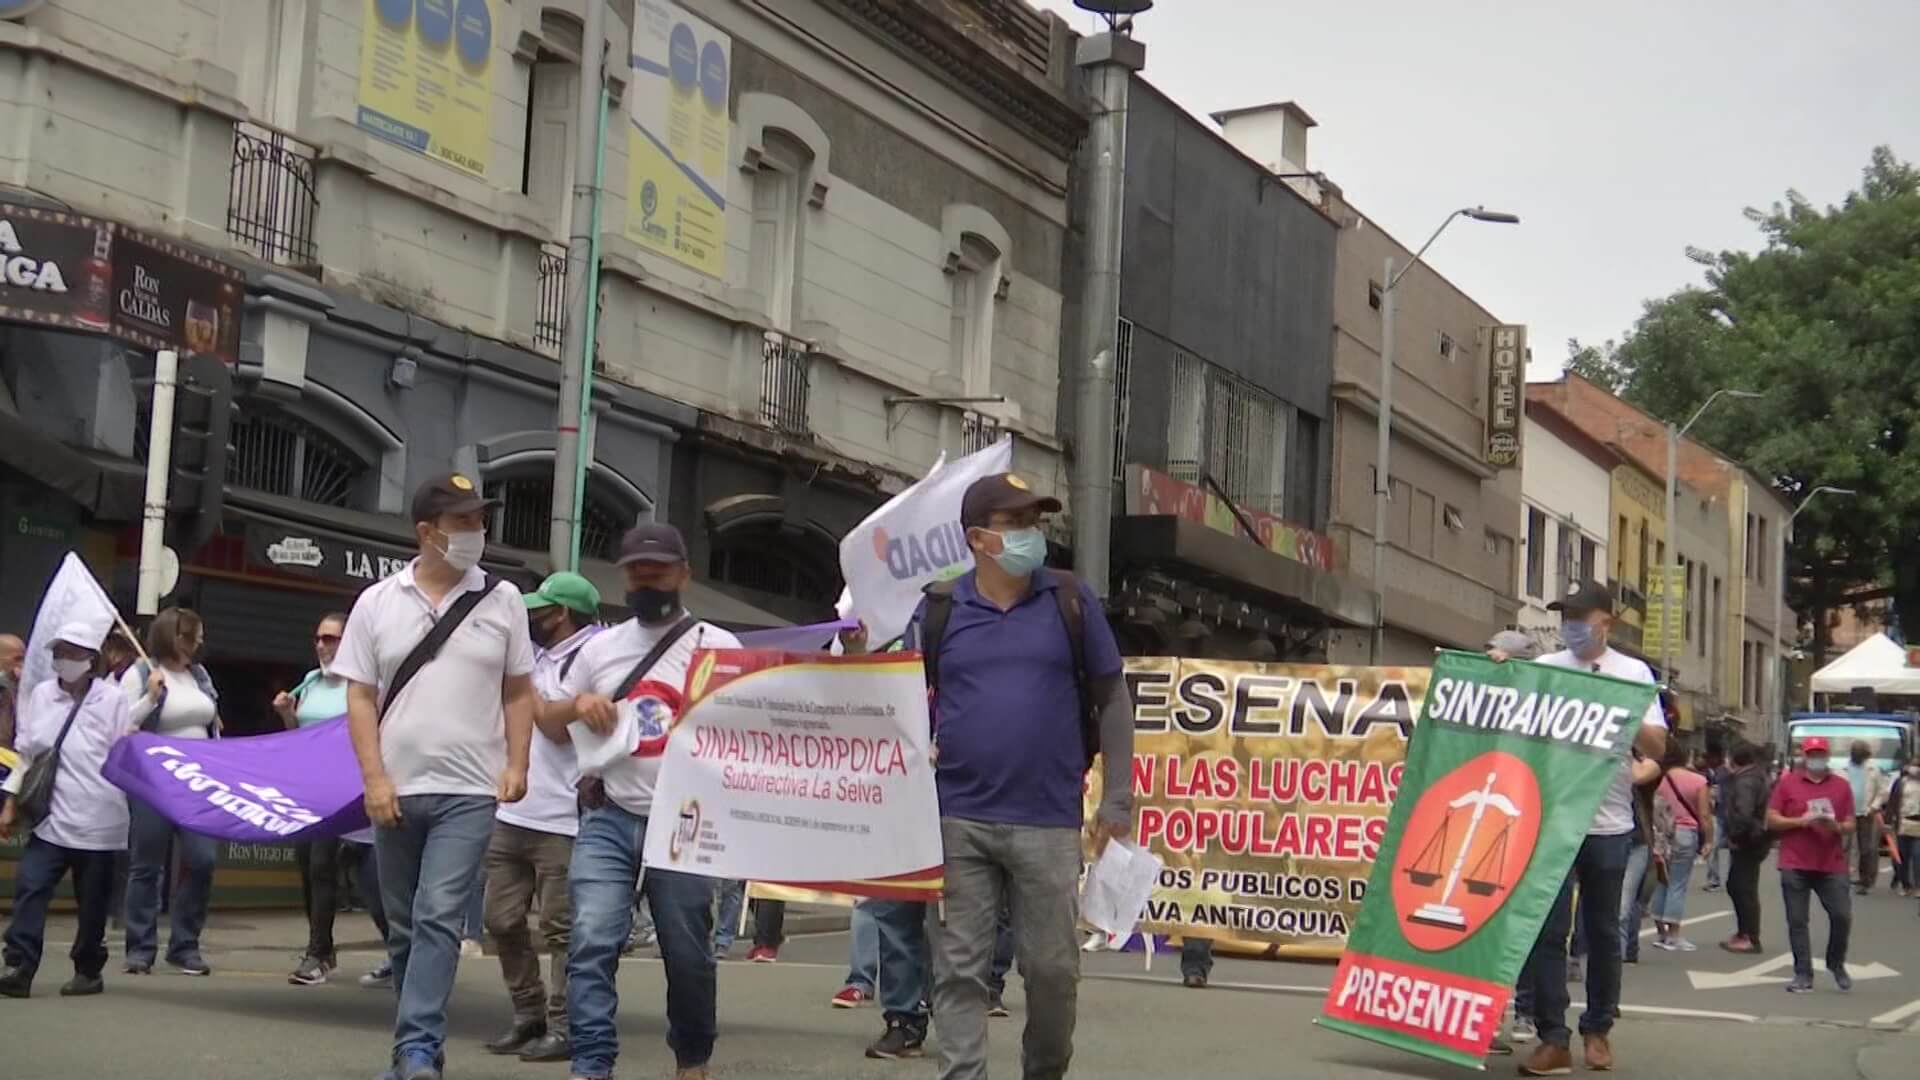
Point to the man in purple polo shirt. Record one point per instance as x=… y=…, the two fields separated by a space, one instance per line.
x=1012 y=754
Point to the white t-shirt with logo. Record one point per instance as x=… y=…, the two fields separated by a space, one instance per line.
x=552 y=804
x=604 y=664
x=446 y=734
x=1615 y=816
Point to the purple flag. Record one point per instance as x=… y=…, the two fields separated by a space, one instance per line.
x=267 y=789
x=814 y=638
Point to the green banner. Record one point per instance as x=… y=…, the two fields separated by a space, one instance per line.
x=1503 y=775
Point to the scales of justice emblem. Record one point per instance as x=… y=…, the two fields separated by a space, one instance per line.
x=1475 y=829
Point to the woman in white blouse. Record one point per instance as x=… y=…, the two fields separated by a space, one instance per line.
x=86 y=819
x=172 y=697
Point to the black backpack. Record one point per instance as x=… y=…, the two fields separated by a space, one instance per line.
x=1066 y=592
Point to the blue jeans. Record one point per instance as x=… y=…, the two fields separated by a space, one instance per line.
x=1639 y=859
x=473 y=921
x=863 y=960
x=732 y=896
x=1598 y=868
x=426 y=878
x=606 y=863
x=904 y=966
x=1797 y=888
x=40 y=869
x=148 y=837
x=1669 y=903
x=1713 y=856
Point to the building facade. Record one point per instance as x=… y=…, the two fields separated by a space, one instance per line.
x=1567 y=491
x=1223 y=434
x=1453 y=513
x=829 y=252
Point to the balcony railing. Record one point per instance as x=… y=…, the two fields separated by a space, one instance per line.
x=978 y=432
x=270 y=196
x=550 y=311
x=783 y=383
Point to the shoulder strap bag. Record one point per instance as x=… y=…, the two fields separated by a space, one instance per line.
x=35 y=800
x=429 y=646
x=592 y=791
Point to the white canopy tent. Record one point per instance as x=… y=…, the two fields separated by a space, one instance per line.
x=1876 y=662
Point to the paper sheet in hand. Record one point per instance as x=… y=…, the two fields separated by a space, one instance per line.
x=597 y=753
x=1117 y=887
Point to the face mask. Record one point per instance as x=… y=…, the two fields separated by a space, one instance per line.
x=1580 y=637
x=464 y=549
x=654 y=606
x=72 y=670
x=1816 y=766
x=1022 y=551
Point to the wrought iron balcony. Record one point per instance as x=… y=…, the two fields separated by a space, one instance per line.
x=978 y=432
x=271 y=201
x=550 y=311
x=784 y=362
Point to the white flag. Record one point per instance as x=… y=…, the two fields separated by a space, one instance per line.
x=913 y=540
x=73 y=596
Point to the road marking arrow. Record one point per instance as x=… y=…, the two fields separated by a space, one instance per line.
x=1760 y=974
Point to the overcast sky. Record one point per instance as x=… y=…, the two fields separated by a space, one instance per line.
x=1620 y=132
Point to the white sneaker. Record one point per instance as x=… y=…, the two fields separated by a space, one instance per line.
x=1683 y=945
x=1664 y=945
x=471 y=948
x=1524 y=1029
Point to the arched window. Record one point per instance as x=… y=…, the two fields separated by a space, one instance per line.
x=526 y=515
x=281 y=454
x=766 y=559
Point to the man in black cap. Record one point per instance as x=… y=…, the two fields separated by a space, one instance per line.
x=1027 y=687
x=633 y=673
x=442 y=738
x=1586 y=617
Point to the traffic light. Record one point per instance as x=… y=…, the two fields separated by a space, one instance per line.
x=202 y=425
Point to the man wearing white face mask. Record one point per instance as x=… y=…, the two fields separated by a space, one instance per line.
x=440 y=703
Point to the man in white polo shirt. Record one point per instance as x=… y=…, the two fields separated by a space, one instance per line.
x=634 y=674
x=1586 y=616
x=442 y=737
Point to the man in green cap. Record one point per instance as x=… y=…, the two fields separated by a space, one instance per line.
x=533 y=838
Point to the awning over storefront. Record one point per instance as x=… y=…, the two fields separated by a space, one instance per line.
x=353 y=548
x=1236 y=563
x=109 y=488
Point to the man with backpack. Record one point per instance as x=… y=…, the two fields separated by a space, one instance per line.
x=1749 y=841
x=1027 y=687
x=440 y=704
x=632 y=674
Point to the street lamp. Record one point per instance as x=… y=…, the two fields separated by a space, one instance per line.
x=1779 y=695
x=1381 y=487
x=1668 y=571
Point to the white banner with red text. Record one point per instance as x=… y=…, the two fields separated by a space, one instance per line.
x=803 y=770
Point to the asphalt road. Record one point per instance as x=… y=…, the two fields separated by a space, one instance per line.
x=246 y=1022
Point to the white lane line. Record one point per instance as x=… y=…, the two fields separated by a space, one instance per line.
x=1709 y=916
x=1269 y=988
x=1911 y=1008
x=1689 y=1014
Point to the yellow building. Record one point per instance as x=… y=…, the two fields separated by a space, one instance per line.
x=1639 y=545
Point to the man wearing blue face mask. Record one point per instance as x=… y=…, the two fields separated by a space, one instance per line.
x=1600 y=868
x=1027 y=687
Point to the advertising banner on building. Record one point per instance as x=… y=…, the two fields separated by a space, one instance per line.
x=1506 y=394
x=1502 y=779
x=805 y=770
x=426 y=77
x=1152 y=493
x=1265 y=789
x=71 y=272
x=677 y=140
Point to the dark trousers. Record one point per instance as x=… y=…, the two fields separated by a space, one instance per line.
x=1003 y=949
x=1743 y=888
x=521 y=864
x=1196 y=957
x=150 y=839
x=1599 y=869
x=41 y=867
x=769 y=923
x=1905 y=874
x=1866 y=842
x=319 y=893
x=1796 y=886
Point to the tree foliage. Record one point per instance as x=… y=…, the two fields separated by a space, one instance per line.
x=1825 y=321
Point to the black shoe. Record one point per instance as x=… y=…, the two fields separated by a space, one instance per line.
x=191 y=965
x=16 y=983
x=901 y=1040
x=548 y=1047
x=138 y=967
x=997 y=1008
x=1194 y=982
x=84 y=986
x=518 y=1037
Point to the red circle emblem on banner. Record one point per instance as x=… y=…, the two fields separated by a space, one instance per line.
x=1464 y=849
x=655 y=705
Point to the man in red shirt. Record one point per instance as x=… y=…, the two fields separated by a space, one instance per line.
x=1806 y=809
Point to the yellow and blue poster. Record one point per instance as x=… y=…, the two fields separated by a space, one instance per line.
x=677 y=146
x=426 y=77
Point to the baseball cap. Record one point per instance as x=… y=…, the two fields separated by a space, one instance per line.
x=652 y=543
x=1001 y=493
x=1815 y=744
x=1584 y=597
x=449 y=494
x=567 y=589
x=1515 y=644
x=84 y=634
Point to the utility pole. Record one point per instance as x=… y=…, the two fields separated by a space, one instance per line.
x=576 y=340
x=153 y=523
x=1109 y=60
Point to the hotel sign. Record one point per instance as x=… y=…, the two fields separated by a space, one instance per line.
x=1506 y=392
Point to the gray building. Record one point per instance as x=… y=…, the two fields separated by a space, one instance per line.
x=828 y=254
x=1222 y=411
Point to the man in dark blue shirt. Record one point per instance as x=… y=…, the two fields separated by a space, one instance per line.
x=1011 y=747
